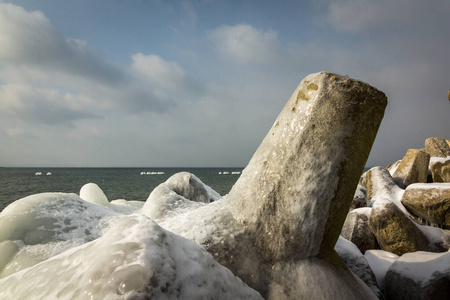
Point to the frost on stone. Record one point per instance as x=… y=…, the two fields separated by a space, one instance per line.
x=134 y=259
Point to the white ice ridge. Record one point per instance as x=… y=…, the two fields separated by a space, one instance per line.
x=134 y=259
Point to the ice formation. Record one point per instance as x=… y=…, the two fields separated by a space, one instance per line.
x=134 y=259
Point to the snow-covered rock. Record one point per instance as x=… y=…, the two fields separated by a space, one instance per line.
x=359 y=199
x=279 y=218
x=418 y=276
x=380 y=261
x=134 y=259
x=356 y=229
x=413 y=168
x=91 y=192
x=429 y=201
x=380 y=184
x=358 y=264
x=181 y=192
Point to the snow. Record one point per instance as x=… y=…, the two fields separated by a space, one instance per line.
x=435 y=186
x=380 y=261
x=134 y=259
x=92 y=193
x=434 y=160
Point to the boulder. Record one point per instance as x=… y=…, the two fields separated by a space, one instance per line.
x=440 y=171
x=277 y=227
x=395 y=232
x=379 y=183
x=413 y=168
x=358 y=264
x=359 y=199
x=356 y=229
x=430 y=201
x=436 y=146
x=419 y=276
x=380 y=261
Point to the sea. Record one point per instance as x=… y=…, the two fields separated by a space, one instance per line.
x=117 y=183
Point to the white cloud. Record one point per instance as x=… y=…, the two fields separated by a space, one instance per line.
x=245 y=44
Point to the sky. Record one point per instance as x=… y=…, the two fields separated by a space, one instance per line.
x=199 y=83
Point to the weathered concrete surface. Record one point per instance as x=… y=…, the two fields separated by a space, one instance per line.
x=356 y=229
x=429 y=201
x=438 y=147
x=277 y=228
x=395 y=232
x=440 y=171
x=413 y=168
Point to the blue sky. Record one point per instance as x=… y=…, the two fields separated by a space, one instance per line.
x=199 y=83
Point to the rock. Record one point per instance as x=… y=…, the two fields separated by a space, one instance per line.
x=413 y=168
x=358 y=264
x=437 y=146
x=419 y=275
x=356 y=229
x=379 y=183
x=93 y=193
x=359 y=199
x=134 y=259
x=440 y=171
x=395 y=232
x=430 y=201
x=277 y=227
x=181 y=192
x=448 y=142
x=380 y=261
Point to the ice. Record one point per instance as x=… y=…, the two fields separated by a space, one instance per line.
x=180 y=193
x=92 y=193
x=380 y=261
x=44 y=225
x=134 y=259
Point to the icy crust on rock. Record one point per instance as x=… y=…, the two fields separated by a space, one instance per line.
x=434 y=160
x=92 y=193
x=134 y=259
x=43 y=225
x=380 y=261
x=180 y=193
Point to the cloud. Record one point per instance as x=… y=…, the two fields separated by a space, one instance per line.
x=44 y=106
x=162 y=74
x=245 y=44
x=29 y=38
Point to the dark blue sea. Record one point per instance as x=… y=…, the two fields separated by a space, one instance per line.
x=116 y=183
